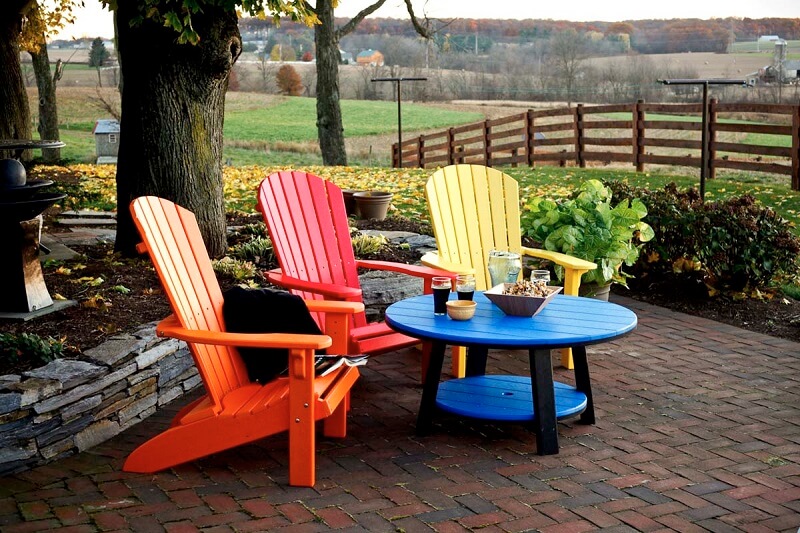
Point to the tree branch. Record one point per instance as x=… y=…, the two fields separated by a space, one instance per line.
x=351 y=25
x=420 y=29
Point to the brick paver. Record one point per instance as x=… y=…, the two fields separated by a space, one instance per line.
x=698 y=429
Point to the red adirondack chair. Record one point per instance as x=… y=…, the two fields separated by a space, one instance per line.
x=235 y=410
x=307 y=223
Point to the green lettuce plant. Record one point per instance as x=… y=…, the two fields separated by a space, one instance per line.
x=589 y=227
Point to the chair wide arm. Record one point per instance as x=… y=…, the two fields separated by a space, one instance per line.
x=434 y=260
x=426 y=273
x=326 y=290
x=574 y=267
x=170 y=327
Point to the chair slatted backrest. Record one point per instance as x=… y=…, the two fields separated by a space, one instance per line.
x=474 y=209
x=308 y=226
x=179 y=255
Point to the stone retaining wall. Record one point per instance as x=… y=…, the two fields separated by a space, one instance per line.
x=69 y=406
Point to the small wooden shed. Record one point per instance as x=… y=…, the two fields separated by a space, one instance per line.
x=106 y=140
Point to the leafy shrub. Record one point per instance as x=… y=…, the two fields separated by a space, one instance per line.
x=739 y=244
x=588 y=226
x=744 y=245
x=255 y=250
x=30 y=348
x=364 y=245
x=235 y=269
x=670 y=214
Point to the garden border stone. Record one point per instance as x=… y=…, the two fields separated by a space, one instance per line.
x=68 y=406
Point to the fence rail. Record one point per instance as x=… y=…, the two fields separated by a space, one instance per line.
x=587 y=134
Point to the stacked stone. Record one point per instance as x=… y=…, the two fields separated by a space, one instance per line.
x=69 y=406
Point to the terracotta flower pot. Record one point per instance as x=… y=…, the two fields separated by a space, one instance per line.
x=372 y=204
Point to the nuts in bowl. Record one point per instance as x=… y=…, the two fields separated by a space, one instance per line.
x=523 y=298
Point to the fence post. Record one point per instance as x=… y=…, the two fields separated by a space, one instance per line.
x=638 y=135
x=421 y=151
x=395 y=159
x=712 y=138
x=487 y=156
x=577 y=115
x=796 y=148
x=451 y=140
x=531 y=133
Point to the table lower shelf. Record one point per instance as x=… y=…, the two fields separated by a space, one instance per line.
x=503 y=398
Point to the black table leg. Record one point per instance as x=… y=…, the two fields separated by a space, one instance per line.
x=583 y=382
x=427 y=405
x=544 y=402
x=476 y=361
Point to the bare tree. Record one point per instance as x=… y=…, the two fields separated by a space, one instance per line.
x=268 y=70
x=567 y=52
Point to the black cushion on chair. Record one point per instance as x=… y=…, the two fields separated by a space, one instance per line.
x=266 y=311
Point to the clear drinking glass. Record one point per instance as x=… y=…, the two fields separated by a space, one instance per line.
x=503 y=266
x=541 y=275
x=465 y=286
x=441 y=292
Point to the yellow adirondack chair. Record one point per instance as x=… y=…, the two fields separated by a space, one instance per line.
x=474 y=209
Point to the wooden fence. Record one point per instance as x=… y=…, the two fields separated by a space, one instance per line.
x=586 y=134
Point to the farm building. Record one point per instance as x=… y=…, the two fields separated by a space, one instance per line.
x=106 y=140
x=371 y=58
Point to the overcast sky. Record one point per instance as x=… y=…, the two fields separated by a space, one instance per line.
x=93 y=21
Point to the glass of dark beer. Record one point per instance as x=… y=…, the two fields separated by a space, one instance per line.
x=441 y=292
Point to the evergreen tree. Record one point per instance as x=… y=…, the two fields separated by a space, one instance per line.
x=98 y=54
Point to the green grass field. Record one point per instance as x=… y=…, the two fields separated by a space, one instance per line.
x=266 y=130
x=294 y=119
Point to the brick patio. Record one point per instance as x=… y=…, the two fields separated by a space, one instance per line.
x=698 y=430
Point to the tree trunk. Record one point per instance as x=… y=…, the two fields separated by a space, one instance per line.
x=172 y=115
x=329 y=114
x=15 y=118
x=48 y=107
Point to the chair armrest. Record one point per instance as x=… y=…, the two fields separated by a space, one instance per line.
x=426 y=273
x=433 y=260
x=334 y=306
x=566 y=261
x=170 y=327
x=574 y=268
x=327 y=290
x=411 y=270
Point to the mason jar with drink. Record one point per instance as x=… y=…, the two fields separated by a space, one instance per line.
x=465 y=286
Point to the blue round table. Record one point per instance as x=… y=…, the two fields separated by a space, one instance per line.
x=567 y=321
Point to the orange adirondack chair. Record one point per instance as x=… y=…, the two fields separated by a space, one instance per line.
x=235 y=410
x=474 y=209
x=307 y=223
